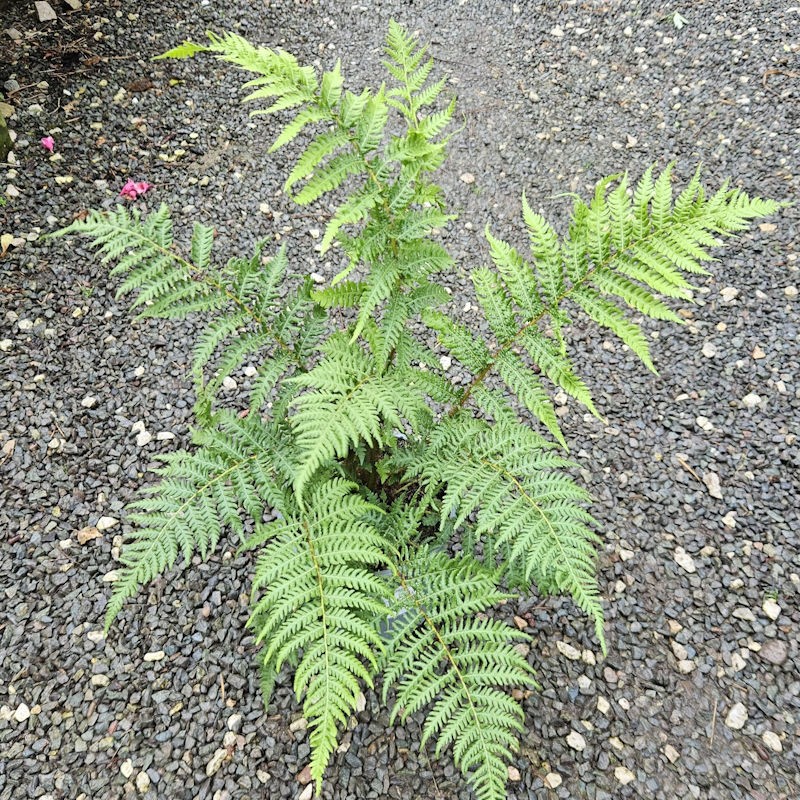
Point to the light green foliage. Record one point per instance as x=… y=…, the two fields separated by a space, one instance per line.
x=371 y=462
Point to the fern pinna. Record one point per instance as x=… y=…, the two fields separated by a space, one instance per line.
x=369 y=460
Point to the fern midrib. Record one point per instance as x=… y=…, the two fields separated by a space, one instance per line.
x=323 y=610
x=549 y=310
x=195 y=274
x=448 y=654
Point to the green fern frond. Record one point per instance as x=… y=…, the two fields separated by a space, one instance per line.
x=240 y=465
x=348 y=402
x=443 y=656
x=316 y=595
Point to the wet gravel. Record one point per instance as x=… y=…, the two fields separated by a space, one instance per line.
x=699 y=696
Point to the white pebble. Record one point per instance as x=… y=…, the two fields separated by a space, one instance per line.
x=568 y=651
x=790 y=291
x=603 y=706
x=143 y=782
x=229 y=383
x=772 y=740
x=709 y=350
x=164 y=436
x=552 y=780
x=684 y=560
x=104 y=523
x=576 y=741
x=22 y=713
x=729 y=293
x=90 y=401
x=751 y=400
x=737 y=717
x=143 y=438
x=771 y=609
x=154 y=655
x=446 y=362
x=126 y=768
x=216 y=761
x=624 y=775
x=467 y=178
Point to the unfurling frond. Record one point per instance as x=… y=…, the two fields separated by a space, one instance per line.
x=316 y=598
x=444 y=655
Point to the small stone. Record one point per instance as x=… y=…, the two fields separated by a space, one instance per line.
x=100 y=680
x=737 y=717
x=553 y=780
x=235 y=722
x=709 y=350
x=751 y=400
x=90 y=401
x=557 y=32
x=467 y=178
x=624 y=775
x=44 y=11
x=229 y=739
x=104 y=523
x=679 y=651
x=729 y=520
x=22 y=713
x=758 y=353
x=568 y=651
x=603 y=706
x=228 y=383
x=307 y=793
x=686 y=666
x=299 y=724
x=317 y=278
x=304 y=776
x=626 y=555
x=219 y=757
x=771 y=609
x=684 y=560
x=671 y=753
x=674 y=627
x=514 y=775
x=143 y=782
x=774 y=651
x=314 y=233
x=588 y=658
x=729 y=293
x=137 y=426
x=165 y=436
x=96 y=636
x=25 y=324
x=576 y=741
x=154 y=655
x=143 y=438
x=744 y=614
x=263 y=775
x=711 y=480
x=5 y=345
x=737 y=663
x=772 y=740
x=446 y=362
x=126 y=768
x=88 y=533
x=790 y=291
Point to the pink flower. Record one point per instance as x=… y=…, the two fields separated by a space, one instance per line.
x=48 y=143
x=132 y=189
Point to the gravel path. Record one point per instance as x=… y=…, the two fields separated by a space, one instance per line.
x=700 y=694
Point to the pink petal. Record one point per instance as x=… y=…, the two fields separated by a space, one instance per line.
x=141 y=187
x=48 y=143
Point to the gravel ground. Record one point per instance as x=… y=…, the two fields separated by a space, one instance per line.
x=700 y=694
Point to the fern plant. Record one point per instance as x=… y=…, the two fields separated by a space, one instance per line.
x=389 y=508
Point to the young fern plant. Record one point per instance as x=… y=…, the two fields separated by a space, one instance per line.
x=367 y=458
